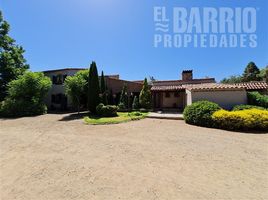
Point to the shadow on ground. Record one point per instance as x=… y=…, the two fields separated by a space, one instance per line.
x=74 y=116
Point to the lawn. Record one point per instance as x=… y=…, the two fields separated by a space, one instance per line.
x=122 y=117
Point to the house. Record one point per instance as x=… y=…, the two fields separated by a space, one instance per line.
x=177 y=94
x=57 y=100
x=166 y=95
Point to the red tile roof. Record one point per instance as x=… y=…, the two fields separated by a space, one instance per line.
x=256 y=85
x=167 y=88
x=197 y=87
x=212 y=86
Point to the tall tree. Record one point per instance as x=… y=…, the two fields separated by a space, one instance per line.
x=251 y=73
x=145 y=99
x=103 y=90
x=264 y=74
x=93 y=88
x=12 y=62
x=123 y=102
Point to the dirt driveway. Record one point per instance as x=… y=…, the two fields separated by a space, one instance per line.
x=54 y=157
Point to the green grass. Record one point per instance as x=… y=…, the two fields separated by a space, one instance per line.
x=122 y=117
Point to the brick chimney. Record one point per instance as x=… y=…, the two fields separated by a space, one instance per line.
x=187 y=75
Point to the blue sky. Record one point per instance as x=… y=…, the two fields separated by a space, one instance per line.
x=118 y=35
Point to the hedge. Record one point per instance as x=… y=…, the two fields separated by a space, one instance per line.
x=252 y=119
x=246 y=107
x=106 y=111
x=255 y=98
x=200 y=113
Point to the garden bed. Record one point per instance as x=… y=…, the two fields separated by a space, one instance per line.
x=120 y=118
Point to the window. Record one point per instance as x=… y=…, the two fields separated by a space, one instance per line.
x=176 y=94
x=58 y=79
x=53 y=98
x=58 y=98
x=167 y=94
x=64 y=77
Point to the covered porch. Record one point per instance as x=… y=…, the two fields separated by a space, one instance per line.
x=169 y=100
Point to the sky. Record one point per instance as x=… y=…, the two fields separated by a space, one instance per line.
x=119 y=36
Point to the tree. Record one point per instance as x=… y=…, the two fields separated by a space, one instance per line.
x=74 y=87
x=26 y=95
x=12 y=61
x=251 y=73
x=145 y=96
x=135 y=104
x=232 y=79
x=103 y=90
x=83 y=74
x=123 y=102
x=93 y=88
x=264 y=74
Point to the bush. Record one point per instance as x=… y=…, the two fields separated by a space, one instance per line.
x=25 y=95
x=122 y=107
x=106 y=111
x=20 y=108
x=246 y=107
x=200 y=113
x=255 y=98
x=241 y=120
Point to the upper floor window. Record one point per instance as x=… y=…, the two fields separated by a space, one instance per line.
x=58 y=79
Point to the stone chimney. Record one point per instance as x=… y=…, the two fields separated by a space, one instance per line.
x=187 y=75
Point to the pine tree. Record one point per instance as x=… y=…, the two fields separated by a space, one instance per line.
x=123 y=103
x=145 y=96
x=12 y=62
x=251 y=73
x=103 y=90
x=135 y=104
x=93 y=88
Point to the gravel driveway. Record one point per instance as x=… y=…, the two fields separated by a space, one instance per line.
x=57 y=157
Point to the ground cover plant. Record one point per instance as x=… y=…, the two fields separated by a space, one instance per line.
x=251 y=119
x=120 y=118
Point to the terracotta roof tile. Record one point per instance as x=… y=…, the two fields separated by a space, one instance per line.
x=197 y=87
x=257 y=85
x=168 y=88
x=212 y=86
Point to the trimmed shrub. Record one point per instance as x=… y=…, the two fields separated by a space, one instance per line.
x=106 y=111
x=246 y=107
x=123 y=102
x=200 y=113
x=252 y=119
x=145 y=98
x=256 y=99
x=135 y=104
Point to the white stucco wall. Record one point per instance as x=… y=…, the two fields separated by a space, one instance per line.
x=226 y=99
x=168 y=102
x=58 y=89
